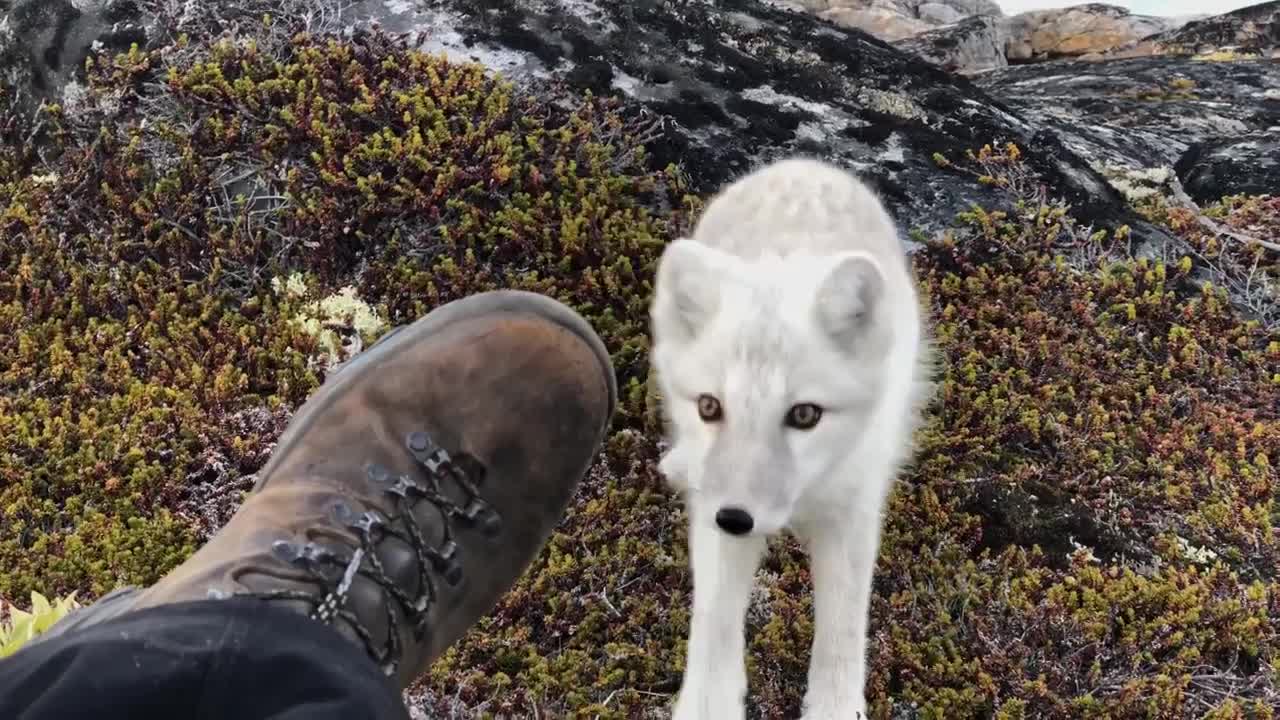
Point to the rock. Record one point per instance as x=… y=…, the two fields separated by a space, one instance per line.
x=1254 y=29
x=1214 y=168
x=897 y=19
x=43 y=43
x=960 y=36
x=939 y=14
x=1079 y=30
x=883 y=23
x=907 y=8
x=975 y=44
x=980 y=43
x=978 y=7
x=1141 y=113
x=1018 y=49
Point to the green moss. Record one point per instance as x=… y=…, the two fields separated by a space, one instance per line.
x=1090 y=529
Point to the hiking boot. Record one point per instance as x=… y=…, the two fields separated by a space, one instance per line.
x=418 y=483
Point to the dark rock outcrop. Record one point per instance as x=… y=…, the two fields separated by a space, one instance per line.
x=43 y=43
x=1228 y=166
x=1144 y=113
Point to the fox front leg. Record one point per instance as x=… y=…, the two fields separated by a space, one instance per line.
x=843 y=561
x=715 y=676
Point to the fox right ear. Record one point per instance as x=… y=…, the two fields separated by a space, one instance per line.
x=849 y=297
x=686 y=294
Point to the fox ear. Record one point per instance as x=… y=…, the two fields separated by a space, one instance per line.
x=848 y=298
x=686 y=292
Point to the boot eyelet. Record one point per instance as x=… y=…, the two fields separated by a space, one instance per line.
x=343 y=514
x=379 y=474
x=370 y=522
x=286 y=551
x=419 y=442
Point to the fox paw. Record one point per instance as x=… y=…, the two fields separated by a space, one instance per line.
x=834 y=715
x=710 y=704
x=836 y=711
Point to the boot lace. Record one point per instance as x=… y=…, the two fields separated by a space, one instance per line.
x=336 y=568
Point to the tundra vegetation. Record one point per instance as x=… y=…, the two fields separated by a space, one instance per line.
x=1089 y=530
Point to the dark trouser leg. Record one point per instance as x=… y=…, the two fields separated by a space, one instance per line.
x=238 y=659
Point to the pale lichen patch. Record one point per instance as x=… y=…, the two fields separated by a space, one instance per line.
x=339 y=322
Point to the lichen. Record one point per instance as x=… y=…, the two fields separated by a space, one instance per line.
x=293 y=286
x=1178 y=88
x=1225 y=55
x=1136 y=184
x=328 y=320
x=891 y=103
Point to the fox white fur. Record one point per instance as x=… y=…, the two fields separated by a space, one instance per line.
x=794 y=289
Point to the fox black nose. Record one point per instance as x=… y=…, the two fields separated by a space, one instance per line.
x=734 y=521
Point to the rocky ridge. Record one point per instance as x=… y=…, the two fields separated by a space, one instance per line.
x=1083 y=31
x=744 y=84
x=1251 y=30
x=1094 y=32
x=976 y=36
x=894 y=19
x=733 y=85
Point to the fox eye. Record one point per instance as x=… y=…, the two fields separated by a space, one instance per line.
x=709 y=408
x=804 y=416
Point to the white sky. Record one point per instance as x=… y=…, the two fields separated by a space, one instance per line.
x=1139 y=7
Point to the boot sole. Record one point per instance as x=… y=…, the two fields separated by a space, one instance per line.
x=514 y=302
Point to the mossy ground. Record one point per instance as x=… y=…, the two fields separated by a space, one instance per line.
x=1090 y=529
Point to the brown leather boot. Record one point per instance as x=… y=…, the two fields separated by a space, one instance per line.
x=415 y=487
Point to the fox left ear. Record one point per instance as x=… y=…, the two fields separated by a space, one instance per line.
x=849 y=296
x=686 y=288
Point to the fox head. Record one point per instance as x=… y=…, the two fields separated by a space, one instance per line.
x=770 y=370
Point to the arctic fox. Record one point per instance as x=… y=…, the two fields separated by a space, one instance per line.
x=793 y=365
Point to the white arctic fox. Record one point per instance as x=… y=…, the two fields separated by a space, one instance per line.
x=793 y=365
